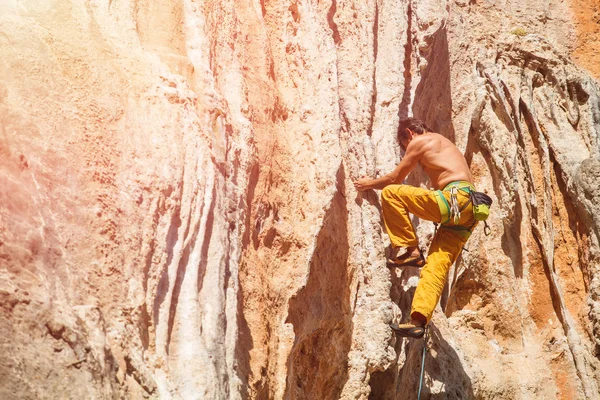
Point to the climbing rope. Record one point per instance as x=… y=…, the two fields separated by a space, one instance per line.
x=425 y=336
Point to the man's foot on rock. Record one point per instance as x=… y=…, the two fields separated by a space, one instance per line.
x=412 y=258
x=409 y=330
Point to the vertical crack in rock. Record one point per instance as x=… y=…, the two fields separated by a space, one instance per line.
x=207 y=235
x=253 y=178
x=502 y=100
x=332 y=25
x=375 y=51
x=522 y=154
x=504 y=181
x=154 y=215
x=243 y=339
x=164 y=307
x=404 y=110
x=242 y=347
x=183 y=262
x=320 y=312
x=263 y=8
x=345 y=123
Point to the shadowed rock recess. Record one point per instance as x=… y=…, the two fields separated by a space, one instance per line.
x=177 y=214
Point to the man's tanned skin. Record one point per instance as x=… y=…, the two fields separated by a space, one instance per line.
x=439 y=158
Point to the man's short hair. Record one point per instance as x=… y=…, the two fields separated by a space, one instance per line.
x=414 y=124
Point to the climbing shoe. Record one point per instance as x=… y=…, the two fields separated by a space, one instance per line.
x=407 y=260
x=408 y=330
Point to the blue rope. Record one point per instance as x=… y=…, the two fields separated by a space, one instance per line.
x=423 y=360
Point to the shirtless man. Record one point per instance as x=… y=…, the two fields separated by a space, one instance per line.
x=448 y=205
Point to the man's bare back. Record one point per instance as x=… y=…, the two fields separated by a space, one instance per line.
x=441 y=159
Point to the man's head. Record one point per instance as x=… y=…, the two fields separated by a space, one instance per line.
x=408 y=128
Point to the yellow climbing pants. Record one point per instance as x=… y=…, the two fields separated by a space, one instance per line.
x=400 y=200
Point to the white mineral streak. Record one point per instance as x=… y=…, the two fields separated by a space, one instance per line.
x=178 y=220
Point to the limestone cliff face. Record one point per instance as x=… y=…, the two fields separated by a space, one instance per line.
x=177 y=215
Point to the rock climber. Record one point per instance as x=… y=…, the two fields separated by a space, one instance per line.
x=449 y=206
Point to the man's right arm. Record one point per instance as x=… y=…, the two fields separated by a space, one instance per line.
x=414 y=152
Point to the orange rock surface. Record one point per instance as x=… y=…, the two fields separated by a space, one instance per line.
x=587 y=25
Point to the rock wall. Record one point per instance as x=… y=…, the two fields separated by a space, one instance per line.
x=177 y=214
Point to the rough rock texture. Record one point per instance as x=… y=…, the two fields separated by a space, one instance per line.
x=177 y=215
x=587 y=26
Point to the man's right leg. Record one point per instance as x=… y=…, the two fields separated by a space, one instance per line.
x=397 y=202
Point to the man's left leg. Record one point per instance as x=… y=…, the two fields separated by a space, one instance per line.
x=398 y=202
x=444 y=250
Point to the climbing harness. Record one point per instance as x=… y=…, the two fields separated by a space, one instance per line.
x=425 y=337
x=451 y=211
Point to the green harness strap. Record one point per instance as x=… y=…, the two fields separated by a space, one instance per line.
x=462 y=231
x=443 y=205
